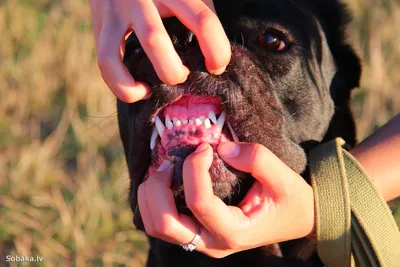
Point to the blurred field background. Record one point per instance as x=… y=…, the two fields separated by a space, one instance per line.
x=63 y=179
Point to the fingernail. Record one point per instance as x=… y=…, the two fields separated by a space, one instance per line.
x=229 y=150
x=185 y=74
x=201 y=148
x=165 y=165
x=218 y=71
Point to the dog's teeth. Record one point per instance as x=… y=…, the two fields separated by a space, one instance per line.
x=212 y=116
x=221 y=120
x=160 y=126
x=176 y=122
x=184 y=121
x=207 y=123
x=169 y=125
x=234 y=136
x=191 y=121
x=167 y=119
x=198 y=122
x=154 y=135
x=202 y=118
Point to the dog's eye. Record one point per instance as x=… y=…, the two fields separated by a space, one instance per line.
x=271 y=41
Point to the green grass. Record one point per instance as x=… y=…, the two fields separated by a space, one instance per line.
x=64 y=182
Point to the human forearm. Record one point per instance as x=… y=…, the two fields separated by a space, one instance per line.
x=379 y=154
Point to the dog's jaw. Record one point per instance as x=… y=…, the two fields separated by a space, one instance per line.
x=181 y=126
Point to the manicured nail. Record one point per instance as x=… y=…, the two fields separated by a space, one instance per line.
x=201 y=148
x=218 y=71
x=165 y=165
x=229 y=150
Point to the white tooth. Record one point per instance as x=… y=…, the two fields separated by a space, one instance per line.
x=191 y=121
x=167 y=119
x=212 y=116
x=160 y=126
x=221 y=120
x=174 y=120
x=197 y=121
x=234 y=136
x=184 y=121
x=207 y=123
x=169 y=125
x=177 y=123
x=154 y=135
x=202 y=118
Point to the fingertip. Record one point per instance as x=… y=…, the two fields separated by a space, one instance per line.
x=217 y=57
x=228 y=150
x=171 y=77
x=202 y=147
x=131 y=93
x=218 y=71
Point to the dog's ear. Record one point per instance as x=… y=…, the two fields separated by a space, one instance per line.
x=334 y=18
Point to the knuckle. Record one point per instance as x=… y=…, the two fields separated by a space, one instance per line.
x=151 y=231
x=231 y=242
x=218 y=254
x=196 y=204
x=103 y=60
x=256 y=151
x=164 y=227
x=204 y=17
x=152 y=39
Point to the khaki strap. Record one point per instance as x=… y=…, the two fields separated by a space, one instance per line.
x=354 y=225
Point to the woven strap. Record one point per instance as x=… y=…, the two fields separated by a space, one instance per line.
x=354 y=225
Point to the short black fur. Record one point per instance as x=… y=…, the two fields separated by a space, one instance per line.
x=288 y=101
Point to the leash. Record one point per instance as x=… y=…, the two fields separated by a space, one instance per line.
x=354 y=225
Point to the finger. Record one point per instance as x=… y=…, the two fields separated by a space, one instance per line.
x=114 y=73
x=144 y=209
x=263 y=165
x=156 y=43
x=210 y=210
x=199 y=18
x=167 y=223
x=96 y=17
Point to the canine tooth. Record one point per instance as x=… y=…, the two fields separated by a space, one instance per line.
x=167 y=119
x=234 y=136
x=212 y=116
x=154 y=135
x=169 y=125
x=184 y=121
x=207 y=123
x=177 y=123
x=221 y=120
x=198 y=122
x=160 y=126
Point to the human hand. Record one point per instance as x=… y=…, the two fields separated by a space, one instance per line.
x=278 y=207
x=114 y=20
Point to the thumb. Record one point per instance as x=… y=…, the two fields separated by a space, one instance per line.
x=263 y=165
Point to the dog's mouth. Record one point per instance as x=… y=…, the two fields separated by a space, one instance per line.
x=183 y=125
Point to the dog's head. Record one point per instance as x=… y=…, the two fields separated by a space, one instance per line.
x=287 y=85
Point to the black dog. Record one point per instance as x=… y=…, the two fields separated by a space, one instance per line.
x=287 y=87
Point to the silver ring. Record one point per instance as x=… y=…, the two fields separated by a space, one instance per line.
x=192 y=245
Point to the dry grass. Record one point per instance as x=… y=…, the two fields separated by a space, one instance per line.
x=63 y=185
